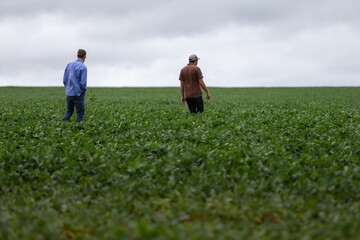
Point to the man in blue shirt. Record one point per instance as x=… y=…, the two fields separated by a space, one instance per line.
x=75 y=79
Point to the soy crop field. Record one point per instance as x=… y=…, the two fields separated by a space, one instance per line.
x=259 y=163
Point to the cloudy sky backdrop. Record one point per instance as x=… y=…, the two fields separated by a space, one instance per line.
x=241 y=43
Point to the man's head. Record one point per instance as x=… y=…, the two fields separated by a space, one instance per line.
x=81 y=54
x=193 y=58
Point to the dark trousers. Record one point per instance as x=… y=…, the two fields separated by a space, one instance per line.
x=195 y=104
x=79 y=103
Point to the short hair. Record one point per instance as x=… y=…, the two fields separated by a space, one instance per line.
x=81 y=53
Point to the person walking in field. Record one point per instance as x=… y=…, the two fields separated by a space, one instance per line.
x=191 y=79
x=75 y=80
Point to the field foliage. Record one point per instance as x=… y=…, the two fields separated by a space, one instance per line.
x=259 y=163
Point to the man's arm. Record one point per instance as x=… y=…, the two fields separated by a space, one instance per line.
x=202 y=84
x=65 y=78
x=83 y=80
x=182 y=89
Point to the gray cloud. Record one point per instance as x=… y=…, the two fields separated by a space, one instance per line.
x=243 y=43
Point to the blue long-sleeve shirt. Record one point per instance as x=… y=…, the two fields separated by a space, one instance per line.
x=75 y=78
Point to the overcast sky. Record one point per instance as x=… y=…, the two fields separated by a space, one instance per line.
x=242 y=43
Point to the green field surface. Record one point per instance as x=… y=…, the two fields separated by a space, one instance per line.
x=259 y=163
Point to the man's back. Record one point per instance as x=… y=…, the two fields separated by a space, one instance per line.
x=190 y=75
x=75 y=78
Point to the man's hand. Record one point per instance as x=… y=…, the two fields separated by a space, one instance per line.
x=208 y=96
x=183 y=99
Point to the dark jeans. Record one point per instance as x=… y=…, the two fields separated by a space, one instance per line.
x=195 y=104
x=79 y=103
